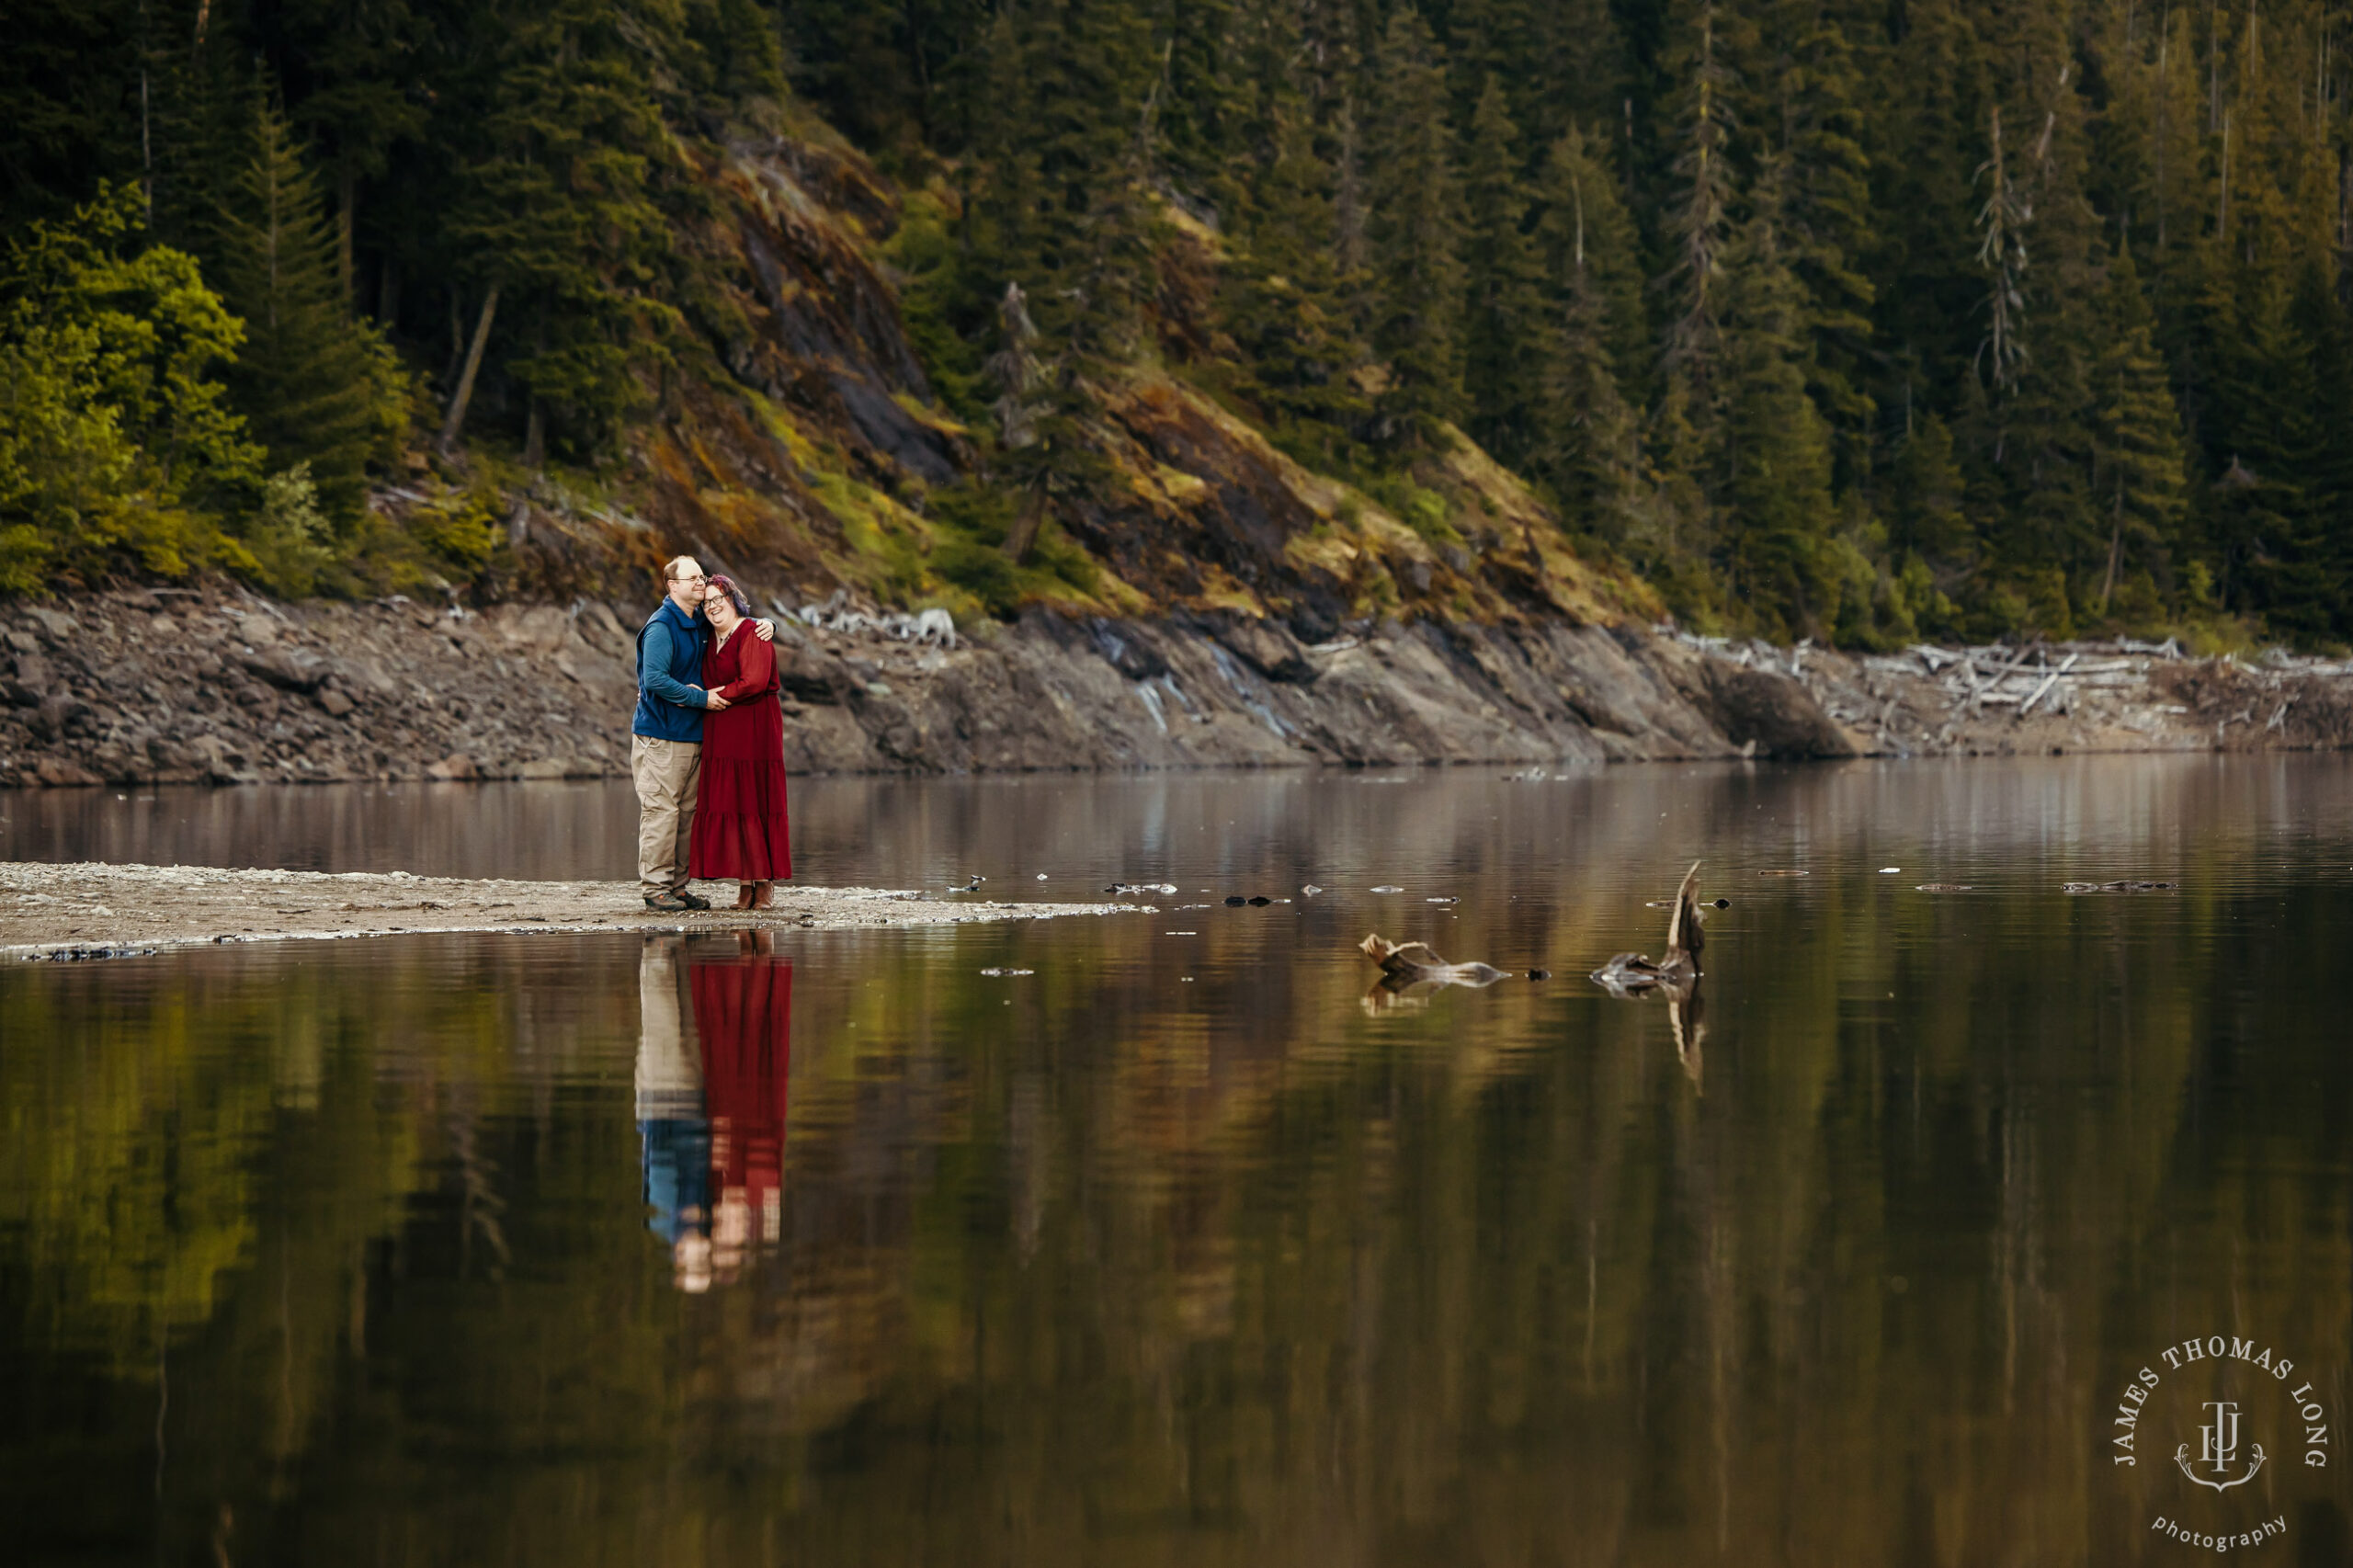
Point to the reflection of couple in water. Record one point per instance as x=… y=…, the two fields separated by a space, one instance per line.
x=711 y=1115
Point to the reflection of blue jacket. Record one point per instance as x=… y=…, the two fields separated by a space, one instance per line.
x=669 y=663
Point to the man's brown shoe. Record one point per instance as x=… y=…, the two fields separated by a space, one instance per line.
x=666 y=903
x=693 y=900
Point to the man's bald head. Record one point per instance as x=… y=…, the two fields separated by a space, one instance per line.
x=683 y=580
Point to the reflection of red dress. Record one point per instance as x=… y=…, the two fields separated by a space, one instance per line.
x=743 y=1019
x=740 y=827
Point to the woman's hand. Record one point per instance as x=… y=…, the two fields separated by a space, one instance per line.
x=713 y=702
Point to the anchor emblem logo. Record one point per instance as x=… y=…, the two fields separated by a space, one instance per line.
x=2219 y=1448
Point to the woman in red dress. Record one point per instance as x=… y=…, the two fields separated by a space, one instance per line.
x=743 y=1017
x=740 y=829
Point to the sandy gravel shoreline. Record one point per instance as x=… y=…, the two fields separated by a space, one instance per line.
x=96 y=910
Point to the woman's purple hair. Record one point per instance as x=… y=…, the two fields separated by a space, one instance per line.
x=736 y=595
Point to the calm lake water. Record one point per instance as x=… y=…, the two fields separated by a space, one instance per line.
x=1183 y=1249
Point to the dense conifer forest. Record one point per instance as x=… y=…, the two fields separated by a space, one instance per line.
x=1859 y=318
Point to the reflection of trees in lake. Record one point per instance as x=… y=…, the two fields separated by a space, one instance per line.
x=1229 y=1261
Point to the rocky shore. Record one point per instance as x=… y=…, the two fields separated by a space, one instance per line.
x=212 y=685
x=108 y=911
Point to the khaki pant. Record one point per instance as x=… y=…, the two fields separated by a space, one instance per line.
x=666 y=772
x=669 y=1071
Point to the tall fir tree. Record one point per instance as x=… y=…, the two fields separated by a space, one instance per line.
x=1776 y=458
x=317 y=386
x=1414 y=226
x=1929 y=295
x=349 y=64
x=1587 y=240
x=1927 y=518
x=1501 y=318
x=2138 y=477
x=1286 y=302
x=559 y=213
x=1825 y=225
x=1586 y=431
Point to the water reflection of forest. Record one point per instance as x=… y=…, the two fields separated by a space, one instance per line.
x=1098 y=1263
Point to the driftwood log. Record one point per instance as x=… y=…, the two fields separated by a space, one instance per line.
x=1636 y=974
x=1405 y=965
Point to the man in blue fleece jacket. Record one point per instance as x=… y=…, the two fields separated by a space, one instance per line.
x=666 y=744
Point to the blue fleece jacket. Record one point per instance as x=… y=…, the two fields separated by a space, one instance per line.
x=669 y=662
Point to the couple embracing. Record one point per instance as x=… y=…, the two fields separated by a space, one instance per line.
x=707 y=752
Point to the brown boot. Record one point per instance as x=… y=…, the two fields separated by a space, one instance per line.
x=765 y=898
x=744 y=895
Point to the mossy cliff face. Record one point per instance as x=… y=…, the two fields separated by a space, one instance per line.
x=1203 y=598
x=814 y=453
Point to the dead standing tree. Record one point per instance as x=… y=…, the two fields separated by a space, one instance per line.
x=1020 y=378
x=2001 y=250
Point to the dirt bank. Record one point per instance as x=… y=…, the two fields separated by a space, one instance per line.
x=211 y=684
x=104 y=911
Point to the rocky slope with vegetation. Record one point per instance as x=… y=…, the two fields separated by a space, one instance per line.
x=391 y=348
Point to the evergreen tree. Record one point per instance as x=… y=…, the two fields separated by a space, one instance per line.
x=1414 y=223
x=316 y=385
x=1586 y=434
x=2045 y=442
x=558 y=216
x=1697 y=224
x=1202 y=100
x=1285 y=302
x=348 y=63
x=1585 y=240
x=1826 y=209
x=1066 y=137
x=1001 y=214
x=1926 y=520
x=195 y=123
x=1501 y=322
x=1097 y=90
x=2137 y=473
x=2284 y=503
x=1777 y=456
x=71 y=77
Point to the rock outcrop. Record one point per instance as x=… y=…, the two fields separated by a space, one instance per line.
x=212 y=685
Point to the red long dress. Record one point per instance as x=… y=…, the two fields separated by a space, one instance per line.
x=743 y=1019
x=740 y=826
